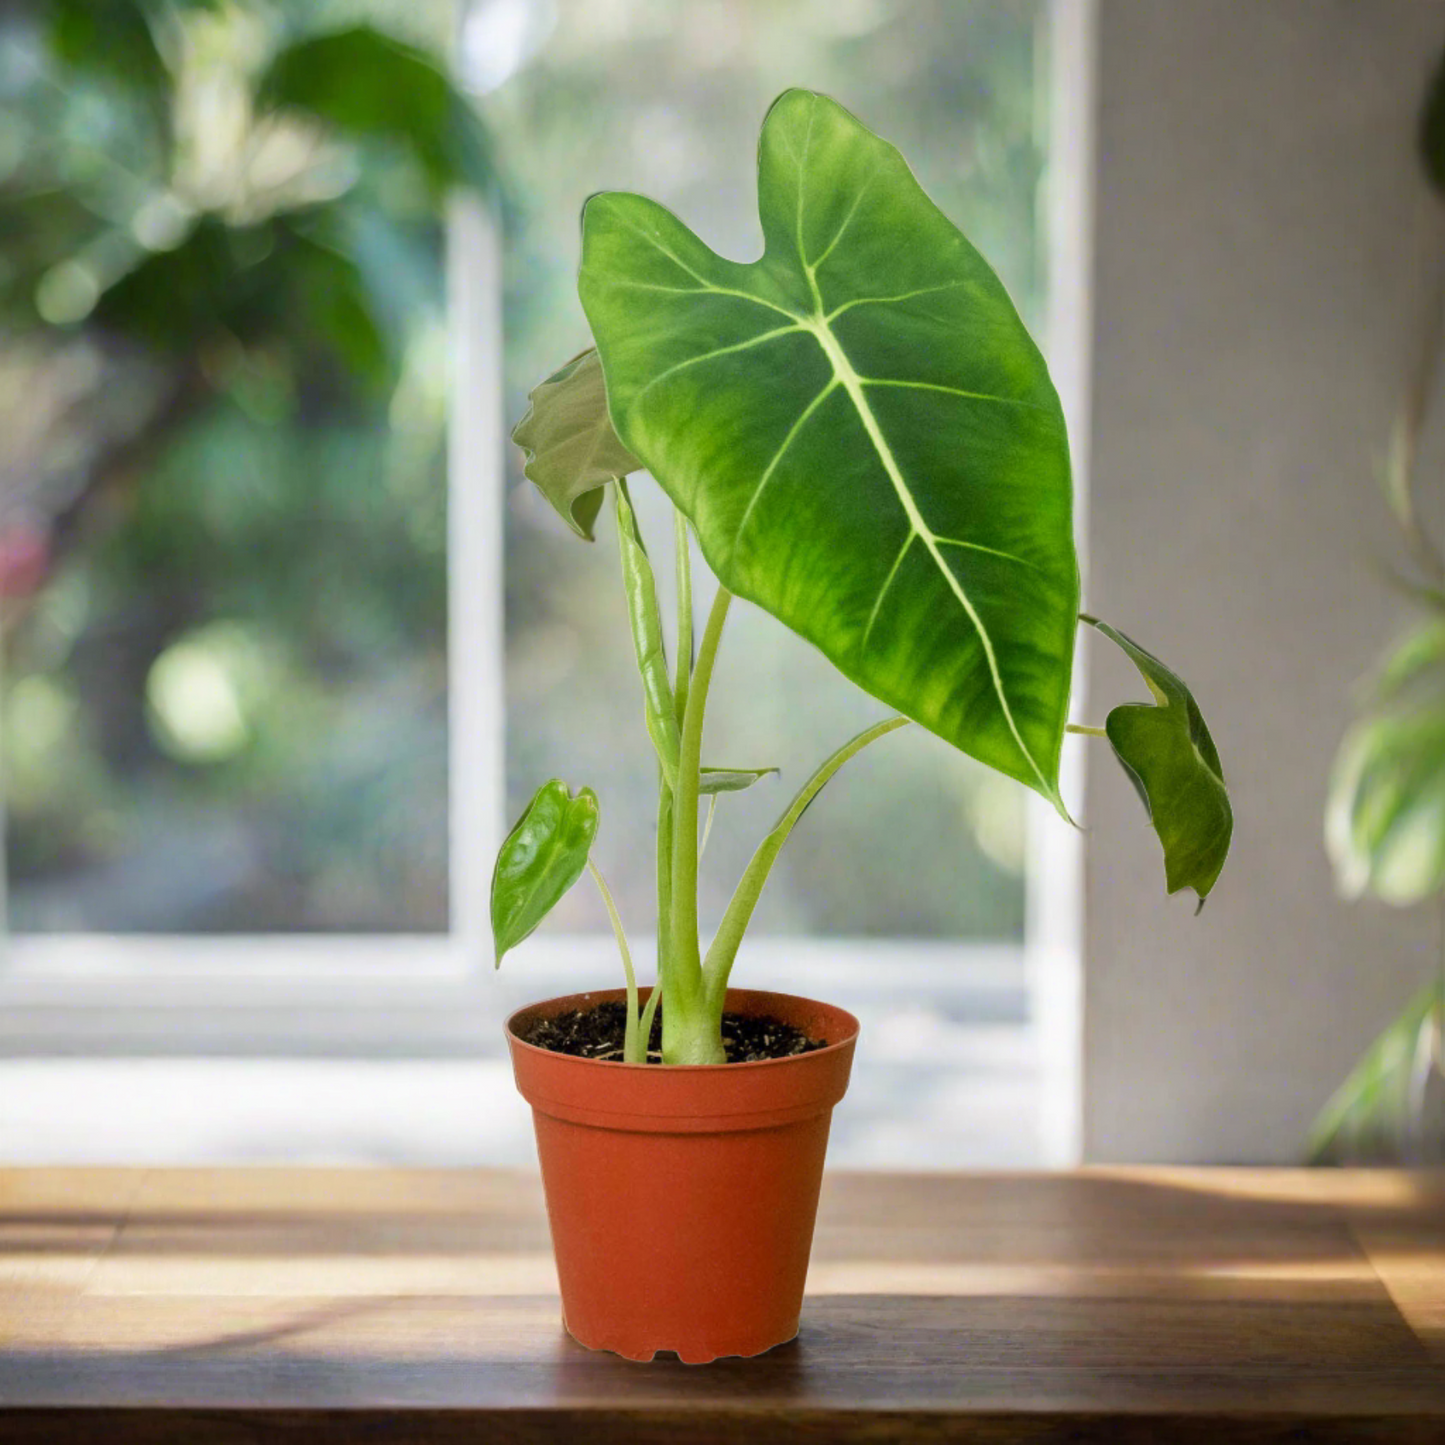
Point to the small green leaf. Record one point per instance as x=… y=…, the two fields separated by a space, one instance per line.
x=572 y=451
x=646 y=622
x=1167 y=752
x=731 y=780
x=726 y=941
x=543 y=856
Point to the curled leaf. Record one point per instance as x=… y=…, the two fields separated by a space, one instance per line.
x=543 y=856
x=572 y=451
x=1166 y=750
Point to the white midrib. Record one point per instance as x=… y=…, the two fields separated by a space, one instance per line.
x=852 y=383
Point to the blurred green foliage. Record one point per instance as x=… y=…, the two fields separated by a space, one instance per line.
x=223 y=512
x=1385 y=819
x=222 y=529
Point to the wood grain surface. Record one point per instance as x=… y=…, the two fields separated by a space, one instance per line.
x=1114 y=1305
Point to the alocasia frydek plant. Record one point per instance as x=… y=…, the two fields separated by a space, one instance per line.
x=865 y=442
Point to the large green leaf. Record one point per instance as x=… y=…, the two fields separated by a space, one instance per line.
x=542 y=857
x=571 y=450
x=860 y=429
x=1167 y=751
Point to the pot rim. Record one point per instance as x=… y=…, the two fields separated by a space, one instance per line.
x=607 y=995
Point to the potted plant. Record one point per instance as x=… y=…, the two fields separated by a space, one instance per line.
x=864 y=441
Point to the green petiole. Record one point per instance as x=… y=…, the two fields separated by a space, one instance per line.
x=729 y=937
x=630 y=1042
x=686 y=1036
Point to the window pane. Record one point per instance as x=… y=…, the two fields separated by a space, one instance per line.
x=666 y=99
x=222 y=526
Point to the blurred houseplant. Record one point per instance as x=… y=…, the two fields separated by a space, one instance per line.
x=1385 y=824
x=220 y=272
x=864 y=441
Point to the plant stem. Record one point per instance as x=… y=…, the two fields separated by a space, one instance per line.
x=687 y=1038
x=683 y=664
x=664 y=877
x=1083 y=731
x=682 y=679
x=739 y=913
x=629 y=1037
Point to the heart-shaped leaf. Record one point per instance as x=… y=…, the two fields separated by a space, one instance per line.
x=572 y=451
x=860 y=429
x=543 y=856
x=1167 y=752
x=731 y=780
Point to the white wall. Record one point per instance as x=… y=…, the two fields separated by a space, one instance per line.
x=1259 y=279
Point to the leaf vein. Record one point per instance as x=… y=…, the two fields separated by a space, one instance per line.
x=852 y=383
x=802 y=176
x=908 y=385
x=883 y=300
x=882 y=591
x=852 y=211
x=710 y=355
x=787 y=441
x=992 y=551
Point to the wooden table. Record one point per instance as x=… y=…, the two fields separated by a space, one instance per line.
x=216 y=1306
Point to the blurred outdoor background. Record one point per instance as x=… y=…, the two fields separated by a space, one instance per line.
x=227 y=543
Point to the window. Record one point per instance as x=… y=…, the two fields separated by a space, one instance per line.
x=255 y=761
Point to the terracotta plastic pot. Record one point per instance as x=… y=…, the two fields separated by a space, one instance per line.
x=682 y=1199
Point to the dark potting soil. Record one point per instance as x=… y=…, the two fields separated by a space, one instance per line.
x=597 y=1033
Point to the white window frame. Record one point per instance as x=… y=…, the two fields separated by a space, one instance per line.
x=436 y=994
